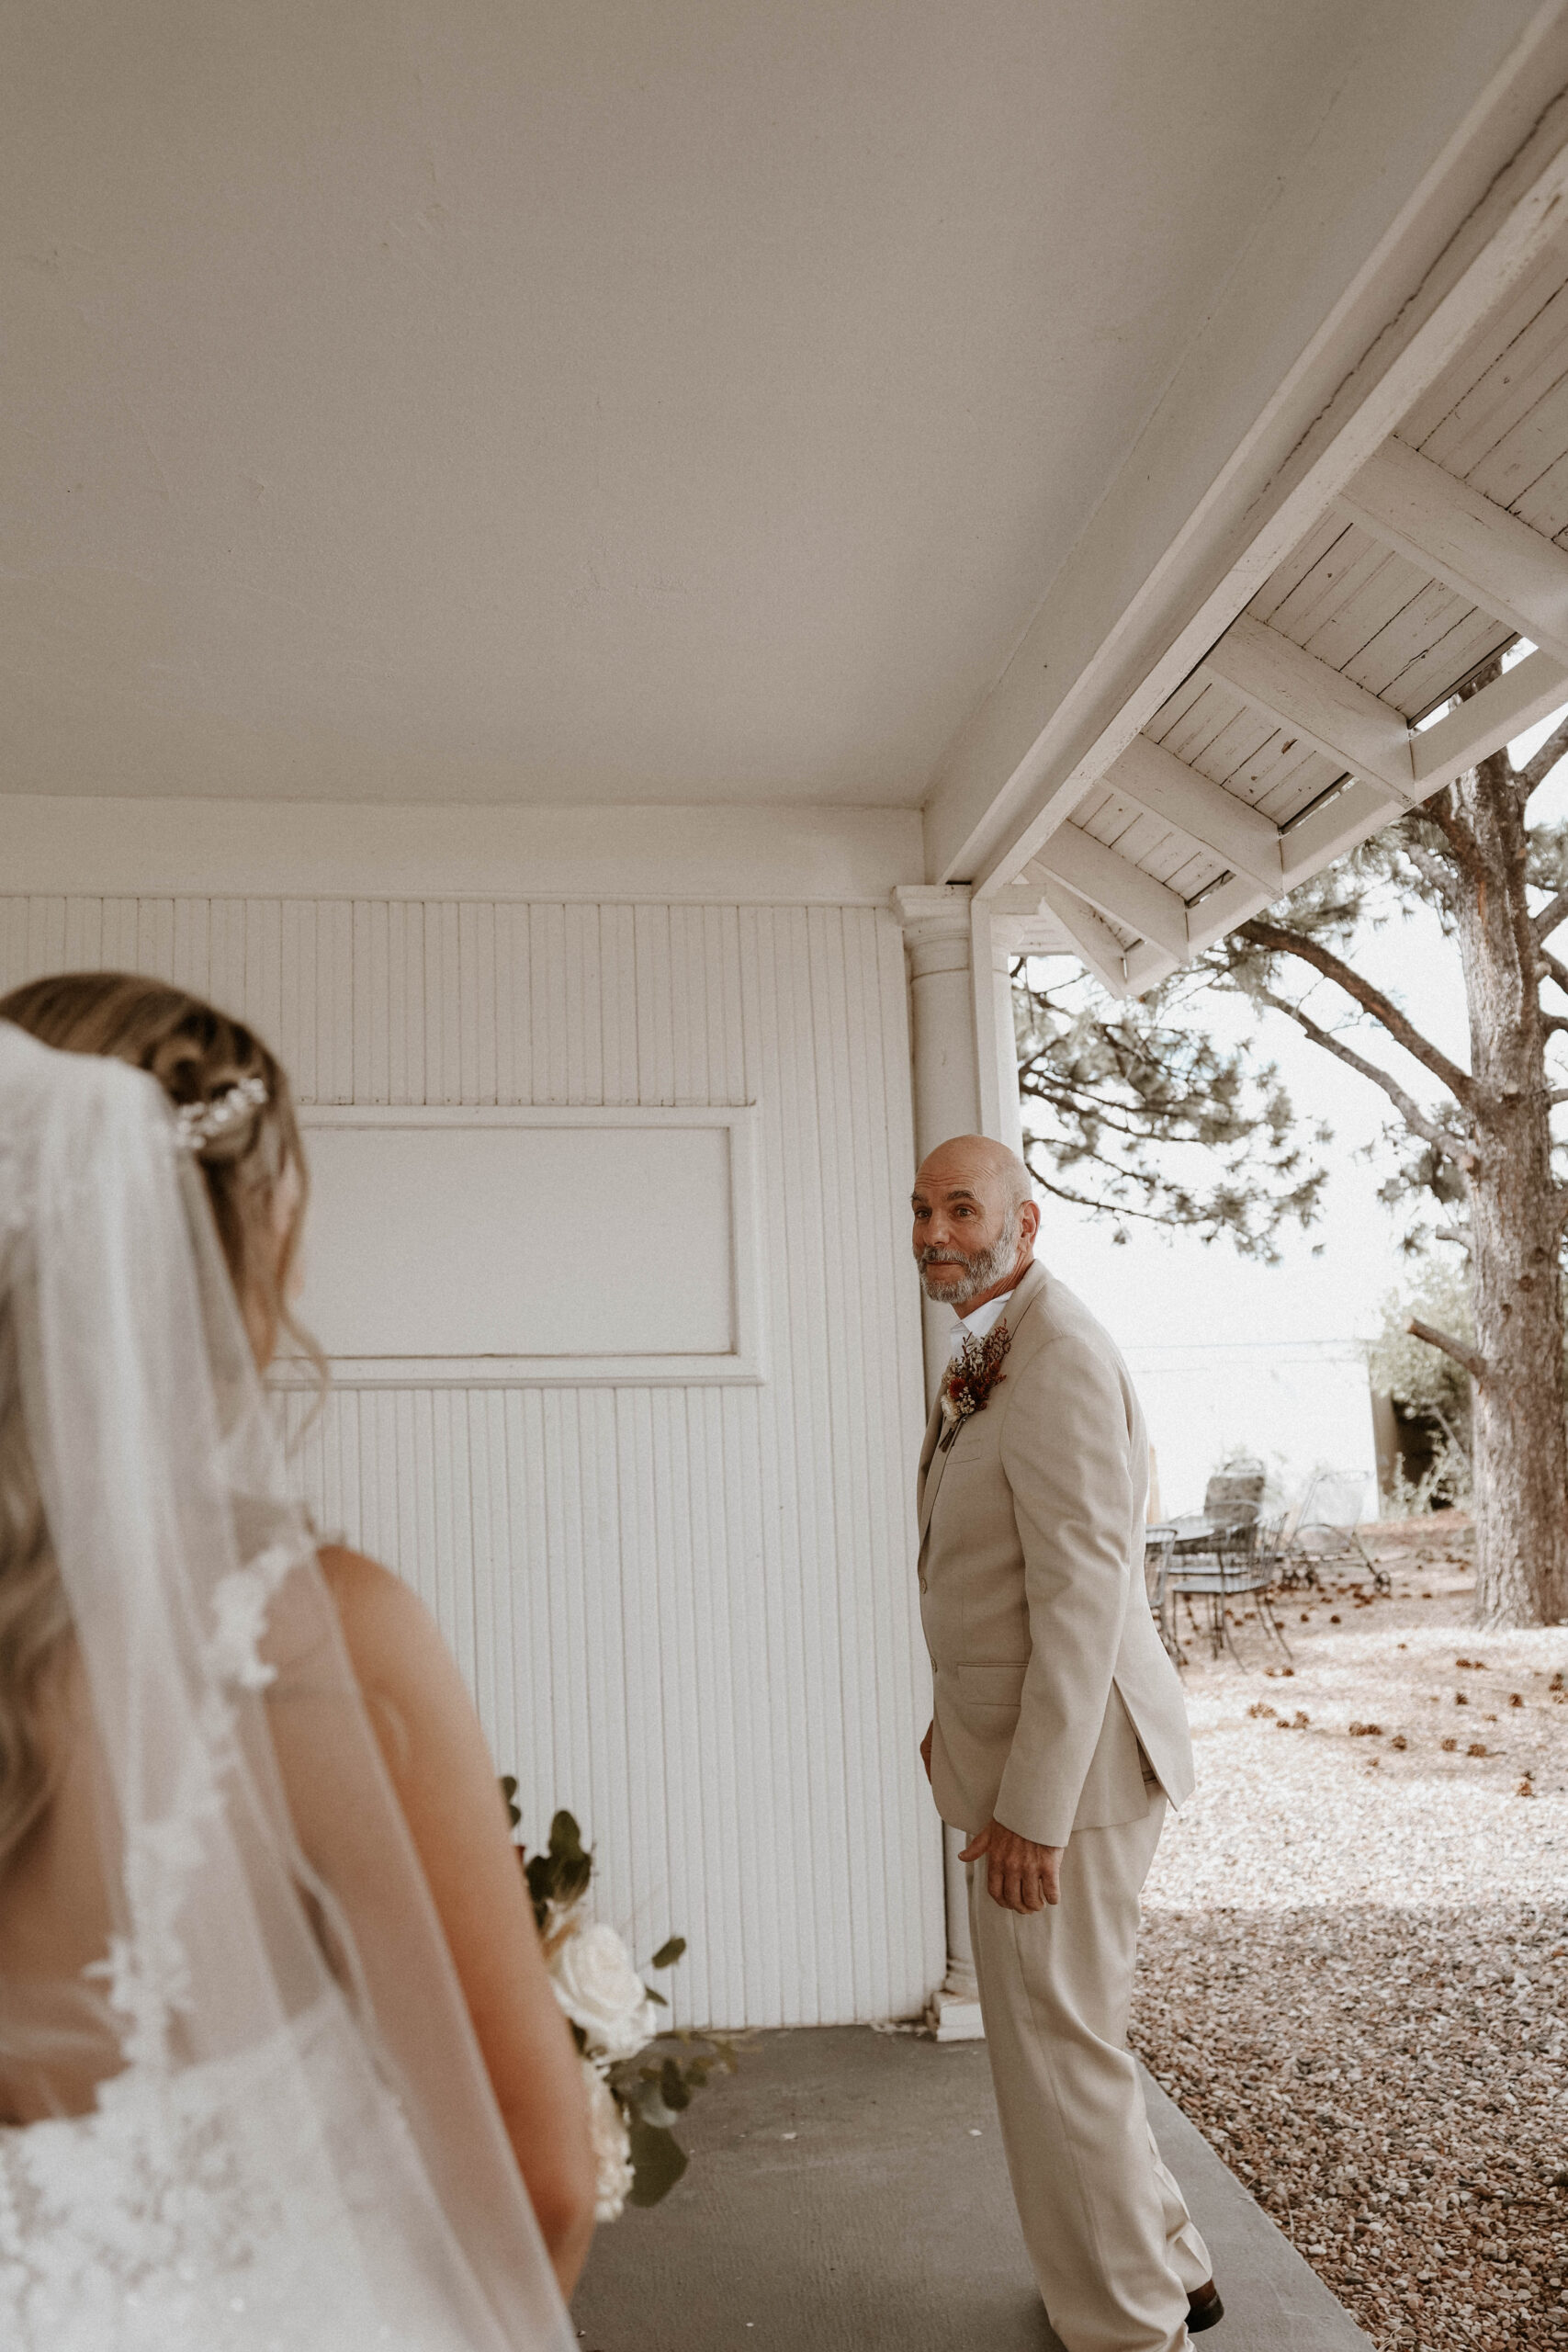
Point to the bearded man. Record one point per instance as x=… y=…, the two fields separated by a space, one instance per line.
x=1059 y=1737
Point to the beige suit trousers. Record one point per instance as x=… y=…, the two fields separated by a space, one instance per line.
x=1114 y=2246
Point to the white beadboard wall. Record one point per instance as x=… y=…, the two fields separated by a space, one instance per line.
x=689 y=1613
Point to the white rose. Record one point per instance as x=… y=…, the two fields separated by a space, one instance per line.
x=602 y=1991
x=612 y=2147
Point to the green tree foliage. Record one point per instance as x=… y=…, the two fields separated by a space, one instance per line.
x=1137 y=1113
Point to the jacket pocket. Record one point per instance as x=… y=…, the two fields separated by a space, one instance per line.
x=991 y=1686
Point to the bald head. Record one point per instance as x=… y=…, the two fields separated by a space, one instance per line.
x=974 y=1220
x=966 y=1160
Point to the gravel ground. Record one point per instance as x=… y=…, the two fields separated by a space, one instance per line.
x=1356 y=1947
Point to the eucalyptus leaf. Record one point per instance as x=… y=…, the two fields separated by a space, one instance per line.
x=669 y=1954
x=657 y=2162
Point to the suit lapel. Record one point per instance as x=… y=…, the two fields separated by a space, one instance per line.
x=933 y=1459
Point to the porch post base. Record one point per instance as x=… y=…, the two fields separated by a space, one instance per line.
x=955 y=2017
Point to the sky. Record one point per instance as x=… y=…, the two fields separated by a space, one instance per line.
x=1228 y=1353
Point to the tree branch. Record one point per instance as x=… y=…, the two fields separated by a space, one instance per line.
x=1431 y=869
x=1472 y=1363
x=1431 y=1131
x=1536 y=770
x=1555 y=912
x=1371 y=999
x=1556 y=969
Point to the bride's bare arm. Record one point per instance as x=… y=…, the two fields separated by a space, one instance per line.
x=446 y=1783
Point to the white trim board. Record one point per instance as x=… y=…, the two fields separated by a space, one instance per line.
x=742 y=1363
x=777 y=856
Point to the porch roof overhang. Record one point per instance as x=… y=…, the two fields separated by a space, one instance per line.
x=1158 y=410
x=1284 y=678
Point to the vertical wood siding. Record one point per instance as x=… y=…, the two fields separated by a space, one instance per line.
x=688 y=1613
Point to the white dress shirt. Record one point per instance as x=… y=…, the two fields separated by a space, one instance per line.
x=978 y=1325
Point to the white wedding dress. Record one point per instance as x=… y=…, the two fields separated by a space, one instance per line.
x=210 y=2211
x=264 y=2124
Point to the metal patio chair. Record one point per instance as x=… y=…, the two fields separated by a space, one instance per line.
x=1326 y=1534
x=1223 y=1554
x=1158 y=1543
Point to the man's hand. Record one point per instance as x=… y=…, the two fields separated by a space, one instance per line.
x=1020 y=1875
x=926 y=1748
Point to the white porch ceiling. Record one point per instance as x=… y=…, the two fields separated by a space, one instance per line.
x=451 y=402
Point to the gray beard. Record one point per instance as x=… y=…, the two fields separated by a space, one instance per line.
x=980 y=1272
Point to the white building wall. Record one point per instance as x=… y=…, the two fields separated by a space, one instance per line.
x=686 y=1612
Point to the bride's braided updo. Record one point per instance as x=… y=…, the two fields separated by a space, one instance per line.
x=199 y=1056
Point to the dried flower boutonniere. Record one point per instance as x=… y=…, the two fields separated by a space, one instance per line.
x=970 y=1376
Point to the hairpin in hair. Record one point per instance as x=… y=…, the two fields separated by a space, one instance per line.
x=198 y=1124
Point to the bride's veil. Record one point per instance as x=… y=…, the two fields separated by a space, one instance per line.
x=277 y=1992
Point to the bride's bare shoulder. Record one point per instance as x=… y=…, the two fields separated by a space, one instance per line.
x=393 y=1641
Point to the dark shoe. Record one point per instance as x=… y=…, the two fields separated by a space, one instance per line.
x=1204 y=2308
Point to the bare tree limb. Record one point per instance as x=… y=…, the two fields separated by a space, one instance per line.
x=1430 y=1130
x=1555 y=970
x=1472 y=1363
x=1371 y=999
x=1555 y=912
x=1539 y=766
x=1456 y=1233
x=1433 y=872
x=1558 y=1095
x=1554 y=1023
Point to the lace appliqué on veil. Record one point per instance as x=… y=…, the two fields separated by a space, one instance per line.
x=148 y=1971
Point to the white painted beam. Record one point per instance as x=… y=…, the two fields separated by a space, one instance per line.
x=1093 y=939
x=1531 y=690
x=1114 y=886
x=1316 y=702
x=1474 y=547
x=1223 y=482
x=1147 y=966
x=1155 y=780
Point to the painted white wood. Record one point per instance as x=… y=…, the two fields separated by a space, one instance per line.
x=1461 y=538
x=1531 y=690
x=687 y=1610
x=1153 y=583
x=447 y=1246
x=1302 y=693
x=1157 y=780
x=403 y=853
x=1115 y=886
x=1092 y=937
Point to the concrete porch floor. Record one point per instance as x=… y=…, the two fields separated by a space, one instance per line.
x=884 y=2219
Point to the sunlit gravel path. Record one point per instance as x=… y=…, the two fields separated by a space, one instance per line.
x=1355 y=1970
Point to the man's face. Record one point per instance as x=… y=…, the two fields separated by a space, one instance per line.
x=965 y=1226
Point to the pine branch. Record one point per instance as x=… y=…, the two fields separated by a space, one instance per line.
x=1371 y=999
x=1536 y=770
x=1467 y=1357
x=1433 y=872
x=1430 y=1131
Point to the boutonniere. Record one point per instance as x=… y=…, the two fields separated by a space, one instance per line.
x=970 y=1376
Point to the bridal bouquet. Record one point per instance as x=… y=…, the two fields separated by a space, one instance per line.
x=614 y=2017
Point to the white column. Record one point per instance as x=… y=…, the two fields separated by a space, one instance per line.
x=960 y=1015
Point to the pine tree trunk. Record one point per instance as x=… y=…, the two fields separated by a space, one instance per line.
x=1520 y=1442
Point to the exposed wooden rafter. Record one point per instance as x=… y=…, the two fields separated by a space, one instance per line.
x=1094 y=939
x=1464 y=539
x=1113 y=886
x=1316 y=702
x=1155 y=780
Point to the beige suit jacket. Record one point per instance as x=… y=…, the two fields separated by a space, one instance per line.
x=1050 y=1675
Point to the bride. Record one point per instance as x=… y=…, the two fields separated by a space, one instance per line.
x=280 y=2067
